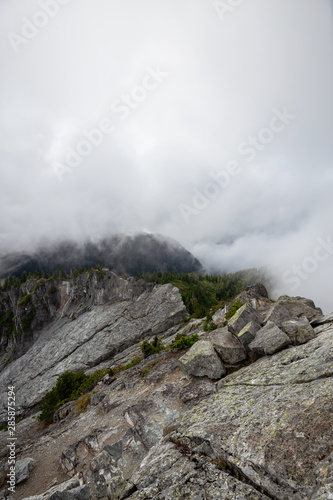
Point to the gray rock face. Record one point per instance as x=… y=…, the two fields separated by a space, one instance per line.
x=269 y=339
x=324 y=474
x=66 y=486
x=167 y=474
x=201 y=360
x=228 y=347
x=245 y=315
x=36 y=303
x=256 y=295
x=80 y=493
x=298 y=330
x=92 y=338
x=264 y=432
x=287 y=308
x=322 y=320
x=23 y=469
x=64 y=411
x=196 y=390
x=270 y=427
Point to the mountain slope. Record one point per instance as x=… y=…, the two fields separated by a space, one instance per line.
x=131 y=255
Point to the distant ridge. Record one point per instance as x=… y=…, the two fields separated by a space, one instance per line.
x=123 y=254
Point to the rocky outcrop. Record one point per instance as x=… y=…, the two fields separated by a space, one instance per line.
x=201 y=360
x=255 y=295
x=28 y=308
x=254 y=423
x=287 y=308
x=269 y=339
x=298 y=330
x=124 y=314
x=245 y=315
x=267 y=433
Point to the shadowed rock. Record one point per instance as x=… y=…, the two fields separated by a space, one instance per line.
x=228 y=347
x=245 y=315
x=248 y=333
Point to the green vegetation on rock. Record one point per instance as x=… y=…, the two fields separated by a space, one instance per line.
x=69 y=387
x=201 y=293
x=234 y=308
x=153 y=347
x=209 y=324
x=182 y=341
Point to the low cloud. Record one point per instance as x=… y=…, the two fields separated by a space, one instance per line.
x=225 y=79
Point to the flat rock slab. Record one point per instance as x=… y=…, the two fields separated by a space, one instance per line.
x=298 y=330
x=92 y=338
x=201 y=360
x=269 y=339
x=228 y=347
x=167 y=474
x=197 y=389
x=275 y=435
x=245 y=314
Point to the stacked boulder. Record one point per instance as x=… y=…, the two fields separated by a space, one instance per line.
x=259 y=328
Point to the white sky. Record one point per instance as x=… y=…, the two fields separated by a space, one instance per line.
x=226 y=75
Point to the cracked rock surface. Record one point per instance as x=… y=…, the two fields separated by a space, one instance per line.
x=270 y=426
x=96 y=335
x=231 y=427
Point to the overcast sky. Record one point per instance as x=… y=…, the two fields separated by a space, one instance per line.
x=215 y=128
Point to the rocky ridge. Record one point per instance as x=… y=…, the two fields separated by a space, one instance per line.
x=245 y=413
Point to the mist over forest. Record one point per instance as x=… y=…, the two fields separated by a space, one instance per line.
x=206 y=124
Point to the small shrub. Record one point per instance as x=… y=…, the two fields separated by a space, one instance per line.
x=40 y=284
x=234 y=308
x=26 y=322
x=182 y=341
x=82 y=403
x=26 y=300
x=135 y=361
x=69 y=387
x=150 y=348
x=7 y=320
x=209 y=324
